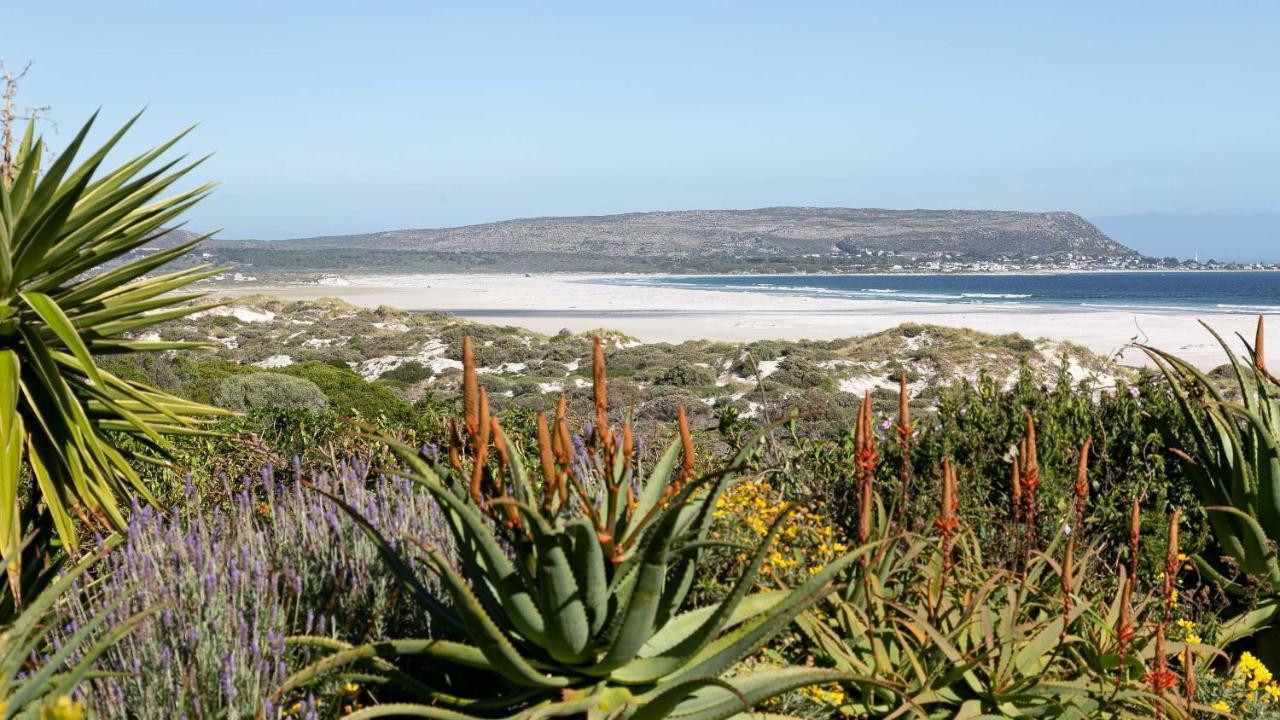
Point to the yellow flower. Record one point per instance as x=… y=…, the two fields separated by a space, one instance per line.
x=62 y=708
x=1186 y=625
x=1193 y=638
x=1221 y=706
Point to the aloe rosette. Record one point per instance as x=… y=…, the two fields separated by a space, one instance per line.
x=569 y=586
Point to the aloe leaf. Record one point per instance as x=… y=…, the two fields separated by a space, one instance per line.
x=714 y=699
x=568 y=631
x=657 y=482
x=486 y=635
x=1265 y=559
x=650 y=669
x=721 y=654
x=483 y=557
x=589 y=568
x=682 y=625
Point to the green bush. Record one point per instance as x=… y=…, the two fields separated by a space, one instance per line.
x=686 y=376
x=349 y=393
x=410 y=373
x=797 y=372
x=269 y=389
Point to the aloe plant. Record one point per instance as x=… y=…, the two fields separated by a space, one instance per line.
x=71 y=289
x=1235 y=465
x=571 y=583
x=934 y=631
x=983 y=642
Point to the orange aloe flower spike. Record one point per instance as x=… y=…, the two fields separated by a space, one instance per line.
x=470 y=396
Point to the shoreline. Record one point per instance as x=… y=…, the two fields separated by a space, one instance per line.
x=548 y=303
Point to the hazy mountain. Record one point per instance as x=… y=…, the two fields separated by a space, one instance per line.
x=1238 y=238
x=703 y=239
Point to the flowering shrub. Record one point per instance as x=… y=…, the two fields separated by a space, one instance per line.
x=807 y=543
x=1248 y=690
x=274 y=561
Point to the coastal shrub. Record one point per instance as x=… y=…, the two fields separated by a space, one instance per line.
x=269 y=389
x=228 y=584
x=686 y=375
x=198 y=375
x=567 y=348
x=797 y=372
x=666 y=408
x=410 y=373
x=349 y=393
x=818 y=413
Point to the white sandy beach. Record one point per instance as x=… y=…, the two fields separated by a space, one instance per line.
x=548 y=303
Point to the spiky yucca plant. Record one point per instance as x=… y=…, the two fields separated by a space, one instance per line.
x=72 y=289
x=571 y=582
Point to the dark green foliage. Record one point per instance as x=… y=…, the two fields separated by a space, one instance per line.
x=686 y=375
x=978 y=427
x=798 y=372
x=269 y=389
x=410 y=372
x=349 y=393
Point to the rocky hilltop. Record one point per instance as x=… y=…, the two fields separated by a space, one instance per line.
x=770 y=239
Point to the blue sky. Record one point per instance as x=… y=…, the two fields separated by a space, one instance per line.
x=331 y=117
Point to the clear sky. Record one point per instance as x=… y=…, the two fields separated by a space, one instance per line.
x=336 y=117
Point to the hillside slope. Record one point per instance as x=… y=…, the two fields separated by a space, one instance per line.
x=699 y=240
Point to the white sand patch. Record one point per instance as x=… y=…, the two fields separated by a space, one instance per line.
x=550 y=387
x=275 y=361
x=431 y=355
x=765 y=368
x=319 y=342
x=392 y=326
x=239 y=312
x=860 y=384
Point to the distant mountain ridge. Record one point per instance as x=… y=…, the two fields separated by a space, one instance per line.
x=975 y=233
x=777 y=239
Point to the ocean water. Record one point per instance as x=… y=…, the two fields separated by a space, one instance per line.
x=1221 y=292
